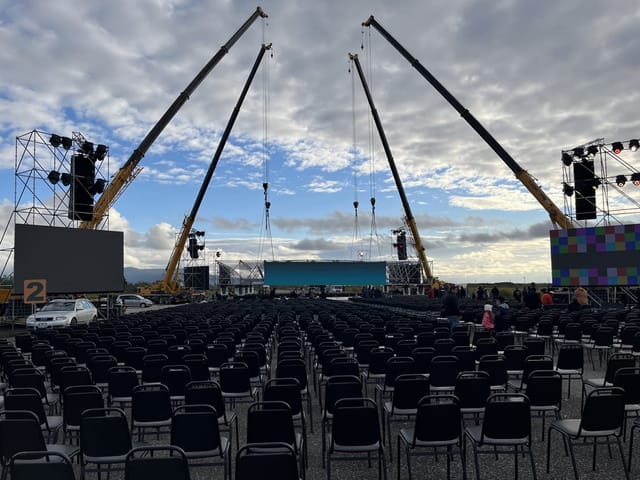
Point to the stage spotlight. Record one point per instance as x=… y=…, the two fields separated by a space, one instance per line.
x=635 y=178
x=55 y=140
x=596 y=183
x=567 y=189
x=54 y=177
x=66 y=143
x=592 y=150
x=621 y=180
x=87 y=147
x=98 y=187
x=617 y=147
x=634 y=144
x=101 y=152
x=566 y=158
x=65 y=178
x=578 y=153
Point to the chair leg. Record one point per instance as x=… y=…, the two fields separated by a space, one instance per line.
x=475 y=460
x=624 y=463
x=633 y=427
x=548 y=448
x=515 y=463
x=533 y=464
x=573 y=459
x=383 y=464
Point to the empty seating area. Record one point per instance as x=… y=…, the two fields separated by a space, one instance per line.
x=313 y=388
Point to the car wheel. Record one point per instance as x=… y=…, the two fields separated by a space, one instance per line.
x=94 y=318
x=142 y=305
x=74 y=322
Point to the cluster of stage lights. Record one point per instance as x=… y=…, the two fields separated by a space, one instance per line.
x=87 y=148
x=580 y=153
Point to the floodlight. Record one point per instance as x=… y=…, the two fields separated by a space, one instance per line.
x=98 y=187
x=634 y=144
x=635 y=178
x=596 y=183
x=617 y=147
x=55 y=140
x=578 y=152
x=621 y=180
x=566 y=158
x=567 y=189
x=87 y=147
x=54 y=177
x=101 y=152
x=66 y=143
x=66 y=179
x=592 y=150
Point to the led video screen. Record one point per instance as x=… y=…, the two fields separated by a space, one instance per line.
x=301 y=273
x=596 y=256
x=71 y=260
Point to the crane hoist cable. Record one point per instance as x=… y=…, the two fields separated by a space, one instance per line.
x=354 y=154
x=265 y=234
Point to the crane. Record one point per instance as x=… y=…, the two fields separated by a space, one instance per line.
x=169 y=284
x=128 y=172
x=555 y=214
x=411 y=222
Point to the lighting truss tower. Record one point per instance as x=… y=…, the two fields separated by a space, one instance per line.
x=602 y=179
x=47 y=173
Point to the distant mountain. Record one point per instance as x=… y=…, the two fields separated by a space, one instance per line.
x=137 y=275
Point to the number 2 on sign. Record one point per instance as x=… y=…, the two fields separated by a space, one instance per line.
x=35 y=291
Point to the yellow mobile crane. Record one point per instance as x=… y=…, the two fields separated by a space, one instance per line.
x=557 y=217
x=169 y=284
x=128 y=172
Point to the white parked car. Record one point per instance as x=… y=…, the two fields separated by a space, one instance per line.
x=133 y=300
x=63 y=312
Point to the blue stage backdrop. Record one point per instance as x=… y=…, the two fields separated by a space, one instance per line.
x=299 y=273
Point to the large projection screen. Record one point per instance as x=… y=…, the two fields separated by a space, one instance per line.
x=71 y=260
x=596 y=256
x=302 y=273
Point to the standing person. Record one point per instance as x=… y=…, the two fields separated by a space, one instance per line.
x=450 y=308
x=502 y=317
x=495 y=293
x=488 y=318
x=517 y=295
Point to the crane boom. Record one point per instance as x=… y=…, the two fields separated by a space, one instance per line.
x=411 y=222
x=170 y=282
x=130 y=169
x=557 y=217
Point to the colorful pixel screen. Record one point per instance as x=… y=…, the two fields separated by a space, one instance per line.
x=596 y=256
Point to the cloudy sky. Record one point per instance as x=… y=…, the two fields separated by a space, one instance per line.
x=541 y=76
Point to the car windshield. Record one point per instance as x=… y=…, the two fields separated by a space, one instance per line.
x=59 y=306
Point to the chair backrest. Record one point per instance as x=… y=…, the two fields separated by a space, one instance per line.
x=121 y=380
x=338 y=387
x=150 y=402
x=194 y=428
x=570 y=357
x=514 y=356
x=544 y=388
x=466 y=355
x=270 y=421
x=603 y=410
x=74 y=375
x=286 y=390
x=409 y=388
x=104 y=432
x=398 y=366
x=26 y=398
x=293 y=367
x=496 y=367
x=205 y=392
x=507 y=416
x=535 y=345
x=175 y=377
x=422 y=357
x=156 y=463
x=152 y=367
x=536 y=362
x=19 y=431
x=472 y=389
x=628 y=378
x=278 y=459
x=438 y=419
x=617 y=361
x=378 y=359
x=77 y=399
x=41 y=464
x=444 y=370
x=355 y=423
x=235 y=377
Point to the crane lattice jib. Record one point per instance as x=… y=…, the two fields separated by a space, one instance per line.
x=557 y=217
x=126 y=174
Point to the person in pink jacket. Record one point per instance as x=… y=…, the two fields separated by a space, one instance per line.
x=488 y=319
